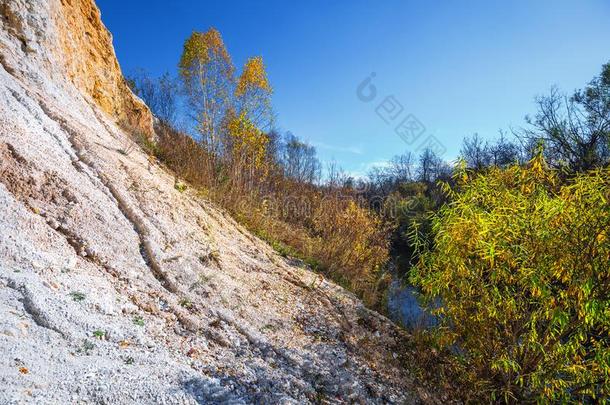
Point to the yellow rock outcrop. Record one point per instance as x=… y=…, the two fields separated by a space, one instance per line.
x=91 y=64
x=65 y=40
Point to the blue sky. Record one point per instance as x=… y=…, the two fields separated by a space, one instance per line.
x=458 y=67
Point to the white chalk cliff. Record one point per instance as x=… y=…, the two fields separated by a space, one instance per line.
x=117 y=288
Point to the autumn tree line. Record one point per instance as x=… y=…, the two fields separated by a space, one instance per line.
x=512 y=238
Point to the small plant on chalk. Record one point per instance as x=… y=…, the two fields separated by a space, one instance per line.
x=100 y=334
x=77 y=296
x=127 y=146
x=86 y=347
x=186 y=303
x=138 y=321
x=180 y=186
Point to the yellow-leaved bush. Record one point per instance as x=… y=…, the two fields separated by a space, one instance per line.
x=355 y=245
x=249 y=144
x=520 y=272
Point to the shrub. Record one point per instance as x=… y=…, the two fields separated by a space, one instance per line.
x=339 y=238
x=185 y=156
x=355 y=245
x=521 y=265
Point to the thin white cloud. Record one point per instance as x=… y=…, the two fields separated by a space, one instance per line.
x=362 y=171
x=376 y=163
x=355 y=149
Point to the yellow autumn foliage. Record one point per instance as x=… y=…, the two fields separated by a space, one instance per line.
x=253 y=76
x=200 y=49
x=521 y=266
x=249 y=143
x=208 y=77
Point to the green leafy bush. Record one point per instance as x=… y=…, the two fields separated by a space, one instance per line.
x=521 y=264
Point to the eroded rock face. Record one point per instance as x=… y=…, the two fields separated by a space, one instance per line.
x=68 y=40
x=86 y=46
x=117 y=288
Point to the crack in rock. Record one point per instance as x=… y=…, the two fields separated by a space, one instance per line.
x=33 y=309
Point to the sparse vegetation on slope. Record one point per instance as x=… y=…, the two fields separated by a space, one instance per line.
x=326 y=228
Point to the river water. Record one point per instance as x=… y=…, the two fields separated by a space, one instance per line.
x=404 y=307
